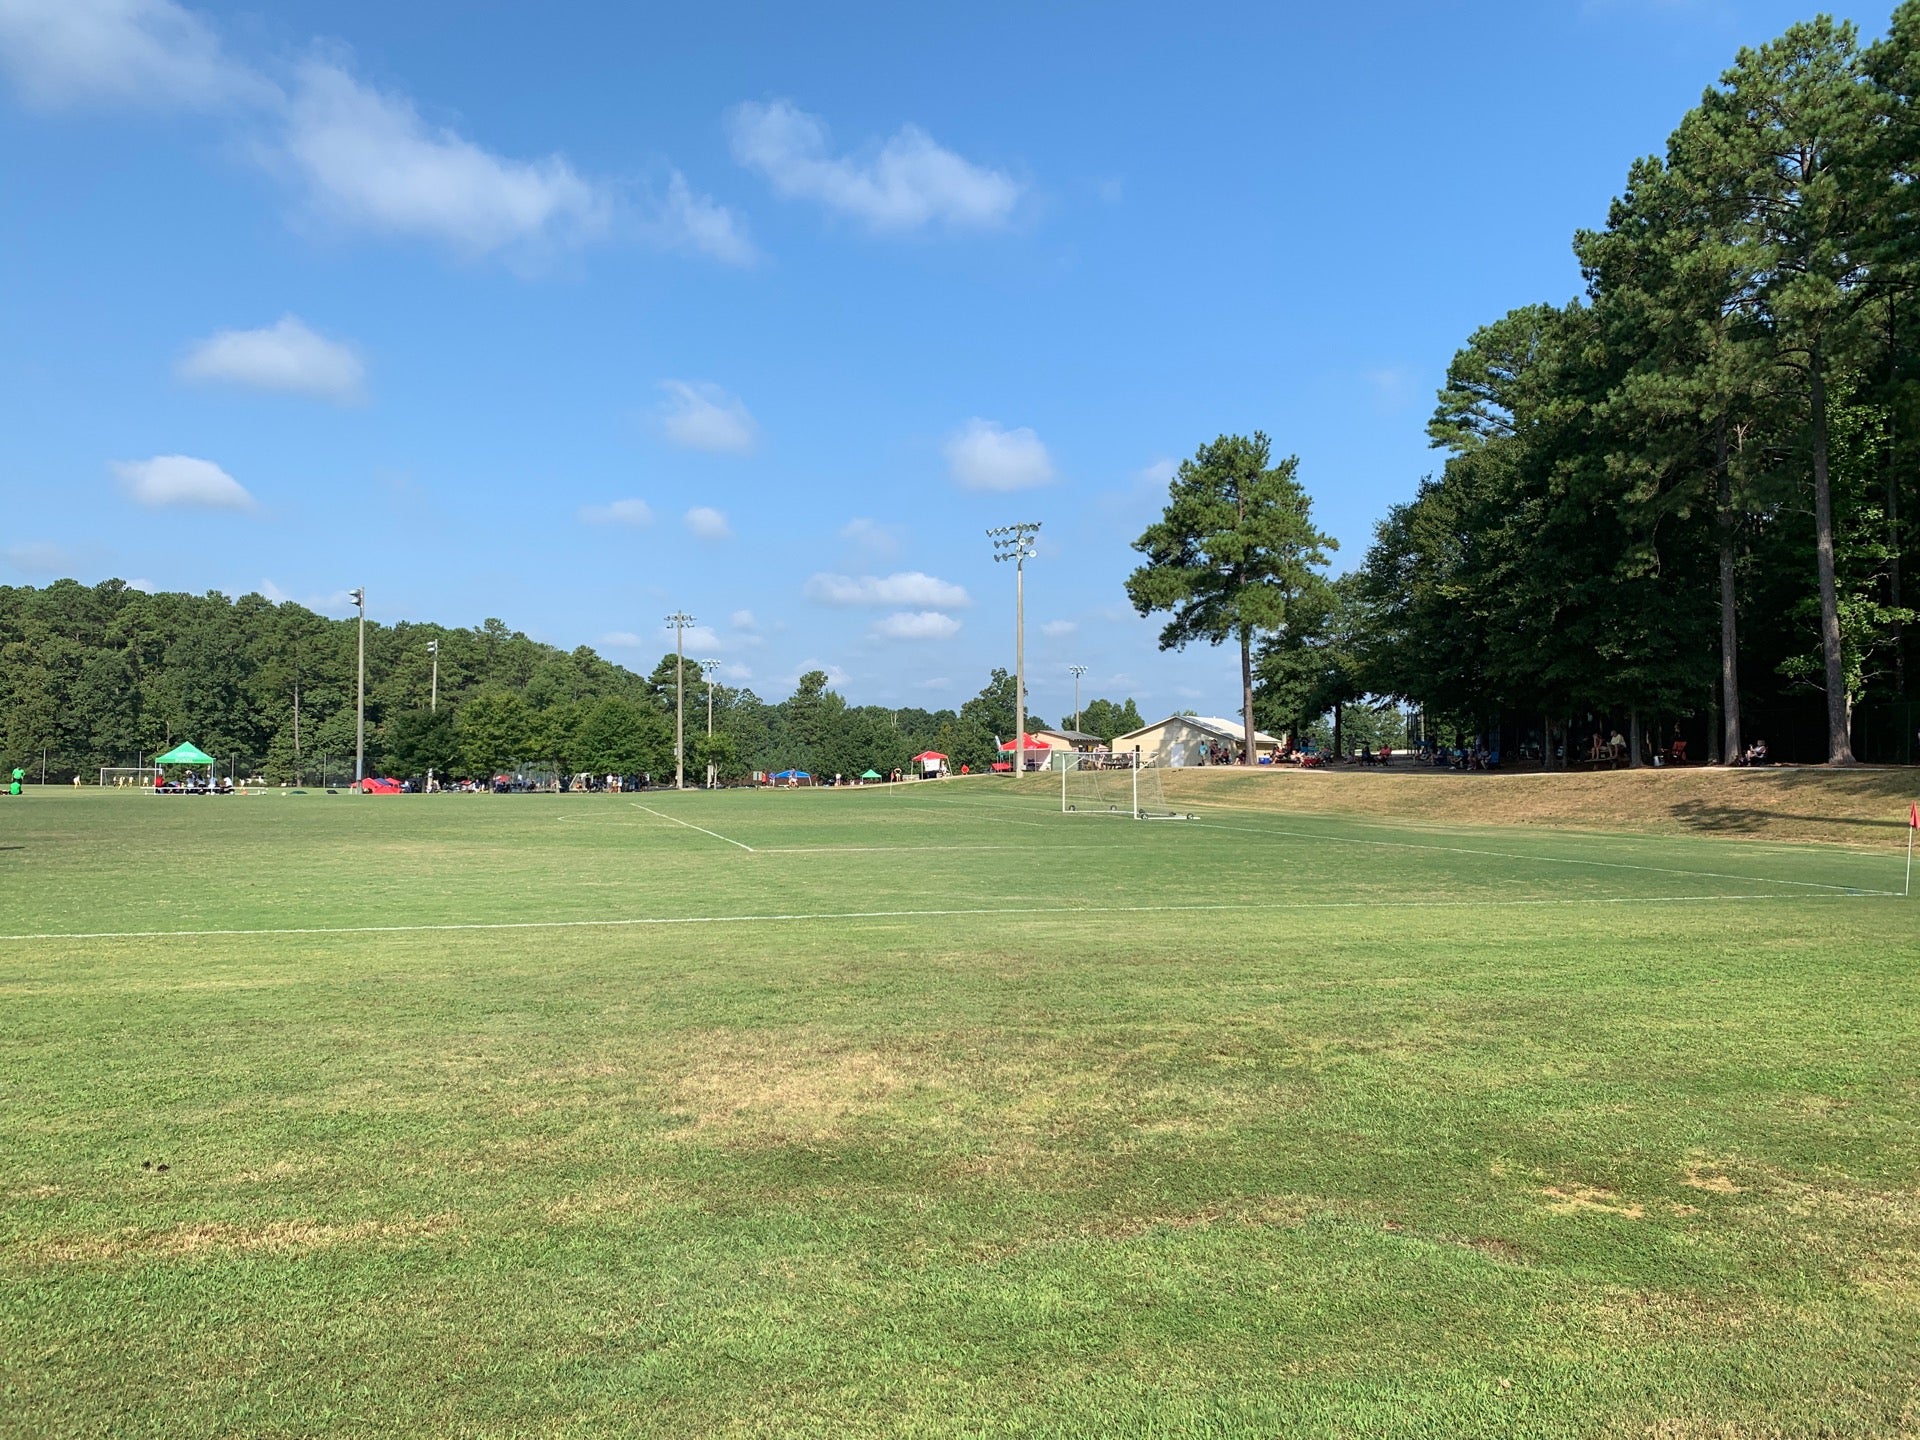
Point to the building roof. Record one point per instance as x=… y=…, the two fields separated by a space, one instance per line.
x=1078 y=737
x=1212 y=724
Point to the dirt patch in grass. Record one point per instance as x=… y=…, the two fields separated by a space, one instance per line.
x=273 y=1237
x=779 y=1086
x=1572 y=1199
x=1866 y=807
x=1716 y=1184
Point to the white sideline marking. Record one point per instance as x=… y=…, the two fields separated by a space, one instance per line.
x=1546 y=859
x=797 y=917
x=691 y=826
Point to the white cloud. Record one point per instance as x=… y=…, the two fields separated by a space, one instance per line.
x=181 y=480
x=1393 y=388
x=708 y=523
x=124 y=52
x=688 y=221
x=37 y=557
x=917 y=625
x=620 y=640
x=369 y=160
x=910 y=182
x=743 y=620
x=938 y=682
x=365 y=159
x=1159 y=474
x=982 y=456
x=142 y=584
x=617 y=512
x=705 y=417
x=906 y=588
x=1058 y=629
x=871 y=535
x=739 y=674
x=284 y=356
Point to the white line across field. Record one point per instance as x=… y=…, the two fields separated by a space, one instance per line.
x=691 y=826
x=804 y=916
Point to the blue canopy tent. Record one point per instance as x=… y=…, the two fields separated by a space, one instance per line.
x=791 y=775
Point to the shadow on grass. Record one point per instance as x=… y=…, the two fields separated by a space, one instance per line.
x=1746 y=819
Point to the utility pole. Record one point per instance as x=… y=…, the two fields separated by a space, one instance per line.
x=707 y=667
x=1078 y=671
x=297 y=779
x=1015 y=543
x=359 y=598
x=679 y=620
x=433 y=649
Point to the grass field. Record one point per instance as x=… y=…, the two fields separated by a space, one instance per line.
x=931 y=1111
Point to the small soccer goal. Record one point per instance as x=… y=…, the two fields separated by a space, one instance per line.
x=127 y=777
x=1114 y=785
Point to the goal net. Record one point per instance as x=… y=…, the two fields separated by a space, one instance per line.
x=127 y=777
x=1114 y=785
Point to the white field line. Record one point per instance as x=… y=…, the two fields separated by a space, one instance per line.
x=800 y=917
x=1541 y=859
x=691 y=826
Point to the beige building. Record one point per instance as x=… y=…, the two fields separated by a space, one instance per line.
x=1183 y=740
x=1068 y=739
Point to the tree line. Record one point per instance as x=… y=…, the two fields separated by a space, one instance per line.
x=106 y=675
x=1684 y=497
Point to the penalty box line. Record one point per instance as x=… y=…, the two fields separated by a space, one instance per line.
x=801 y=917
x=691 y=826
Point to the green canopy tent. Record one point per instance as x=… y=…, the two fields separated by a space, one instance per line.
x=871 y=775
x=187 y=753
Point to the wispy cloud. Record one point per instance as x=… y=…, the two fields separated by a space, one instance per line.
x=700 y=416
x=908 y=183
x=38 y=557
x=908 y=587
x=617 y=512
x=181 y=481
x=917 y=625
x=982 y=456
x=361 y=158
x=285 y=356
x=706 y=523
x=144 y=53
x=620 y=640
x=871 y=535
x=1059 y=629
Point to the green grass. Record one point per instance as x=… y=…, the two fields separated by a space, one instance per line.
x=1262 y=1125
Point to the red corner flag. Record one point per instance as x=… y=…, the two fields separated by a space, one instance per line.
x=1913 y=816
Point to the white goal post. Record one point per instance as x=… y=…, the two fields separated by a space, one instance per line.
x=129 y=777
x=1106 y=784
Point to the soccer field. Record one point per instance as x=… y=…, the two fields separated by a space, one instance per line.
x=930 y=1110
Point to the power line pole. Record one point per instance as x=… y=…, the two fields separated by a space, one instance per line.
x=359 y=598
x=1078 y=671
x=433 y=649
x=679 y=620
x=707 y=667
x=1015 y=543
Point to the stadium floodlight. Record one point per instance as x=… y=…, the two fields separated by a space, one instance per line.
x=359 y=598
x=679 y=620
x=1015 y=543
x=1077 y=671
x=707 y=667
x=433 y=699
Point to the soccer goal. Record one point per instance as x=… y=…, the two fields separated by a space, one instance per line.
x=1114 y=785
x=127 y=777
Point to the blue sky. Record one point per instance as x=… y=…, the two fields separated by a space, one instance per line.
x=576 y=314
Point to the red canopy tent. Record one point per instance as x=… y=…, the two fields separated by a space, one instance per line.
x=929 y=755
x=1031 y=744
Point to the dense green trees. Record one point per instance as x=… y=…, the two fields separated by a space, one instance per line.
x=1683 y=492
x=104 y=675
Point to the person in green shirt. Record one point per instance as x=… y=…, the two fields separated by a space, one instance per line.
x=18 y=776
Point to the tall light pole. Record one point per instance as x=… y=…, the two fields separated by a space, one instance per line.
x=707 y=667
x=1078 y=671
x=679 y=620
x=1015 y=543
x=433 y=702
x=359 y=598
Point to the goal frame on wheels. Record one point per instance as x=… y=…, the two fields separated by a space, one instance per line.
x=1129 y=785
